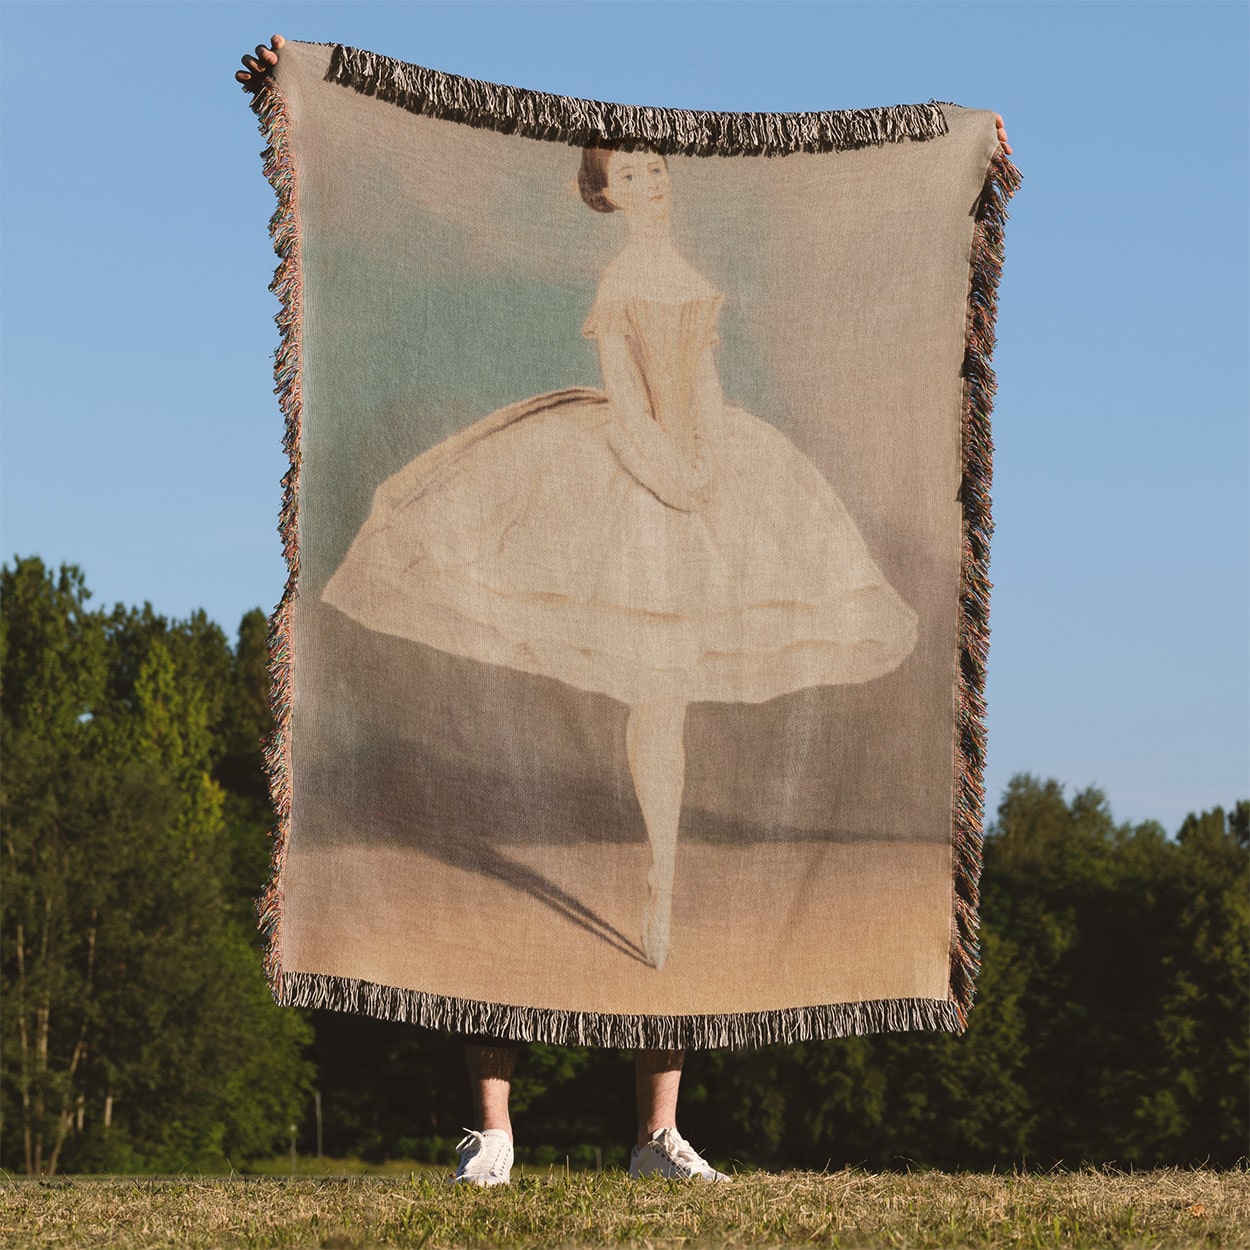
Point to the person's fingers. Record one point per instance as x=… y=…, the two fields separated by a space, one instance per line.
x=1002 y=133
x=259 y=64
x=269 y=53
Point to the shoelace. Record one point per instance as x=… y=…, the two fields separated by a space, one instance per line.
x=683 y=1153
x=491 y=1160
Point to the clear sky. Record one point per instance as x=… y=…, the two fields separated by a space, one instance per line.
x=141 y=437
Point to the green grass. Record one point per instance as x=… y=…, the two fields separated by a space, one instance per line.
x=1159 y=1208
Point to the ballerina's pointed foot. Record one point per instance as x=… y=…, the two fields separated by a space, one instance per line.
x=655 y=931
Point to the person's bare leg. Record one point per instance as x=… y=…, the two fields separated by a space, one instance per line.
x=657 y=763
x=490 y=1082
x=657 y=1078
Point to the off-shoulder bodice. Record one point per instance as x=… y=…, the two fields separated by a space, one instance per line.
x=667 y=340
x=656 y=321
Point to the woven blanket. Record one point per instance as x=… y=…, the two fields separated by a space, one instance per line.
x=628 y=676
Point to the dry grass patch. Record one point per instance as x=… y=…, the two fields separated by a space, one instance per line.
x=1168 y=1207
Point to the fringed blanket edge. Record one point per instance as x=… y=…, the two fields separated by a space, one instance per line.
x=734 y=1030
x=287 y=285
x=977 y=452
x=582 y=123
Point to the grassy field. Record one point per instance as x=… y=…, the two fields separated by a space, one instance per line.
x=852 y=1208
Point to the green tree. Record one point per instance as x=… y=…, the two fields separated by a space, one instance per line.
x=246 y=722
x=52 y=673
x=141 y=1032
x=1197 y=1109
x=1134 y=949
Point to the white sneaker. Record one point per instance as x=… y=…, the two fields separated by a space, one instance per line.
x=668 y=1153
x=485 y=1158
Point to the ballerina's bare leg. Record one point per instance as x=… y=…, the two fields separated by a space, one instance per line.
x=657 y=763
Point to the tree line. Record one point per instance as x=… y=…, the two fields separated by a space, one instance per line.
x=138 y=1034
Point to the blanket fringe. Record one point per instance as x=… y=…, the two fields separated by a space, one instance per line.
x=287 y=285
x=990 y=212
x=539 y=115
x=737 y=1031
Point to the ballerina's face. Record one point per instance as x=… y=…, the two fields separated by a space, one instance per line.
x=638 y=182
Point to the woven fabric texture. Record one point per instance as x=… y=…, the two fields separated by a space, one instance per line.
x=628 y=678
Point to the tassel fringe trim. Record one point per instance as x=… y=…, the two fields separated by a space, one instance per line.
x=738 y=1031
x=586 y=123
x=990 y=213
x=539 y=115
x=287 y=285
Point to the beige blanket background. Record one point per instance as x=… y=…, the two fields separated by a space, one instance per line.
x=509 y=657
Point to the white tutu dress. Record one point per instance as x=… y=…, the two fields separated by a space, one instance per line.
x=647 y=541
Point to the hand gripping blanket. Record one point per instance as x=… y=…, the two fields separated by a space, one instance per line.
x=628 y=676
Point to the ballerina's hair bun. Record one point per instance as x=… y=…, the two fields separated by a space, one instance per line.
x=592 y=179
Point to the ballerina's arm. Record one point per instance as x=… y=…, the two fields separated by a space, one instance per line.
x=709 y=400
x=646 y=451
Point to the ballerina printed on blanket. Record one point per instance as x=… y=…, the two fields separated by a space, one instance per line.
x=647 y=541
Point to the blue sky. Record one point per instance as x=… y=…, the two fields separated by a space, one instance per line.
x=141 y=437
